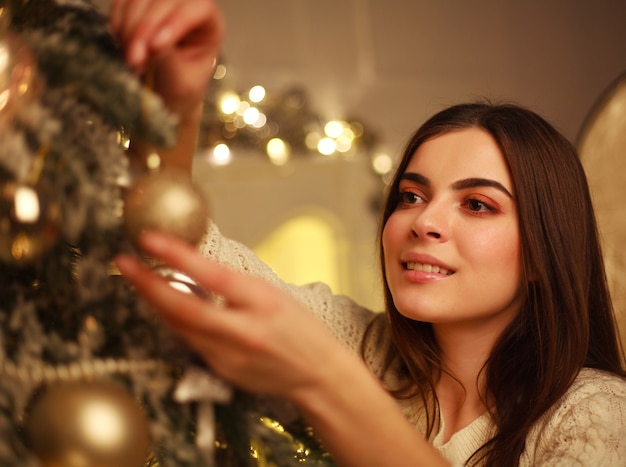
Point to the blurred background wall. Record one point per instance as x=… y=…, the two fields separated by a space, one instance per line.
x=389 y=65
x=394 y=62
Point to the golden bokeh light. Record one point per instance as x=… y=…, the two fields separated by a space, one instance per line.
x=229 y=103
x=278 y=151
x=326 y=146
x=256 y=94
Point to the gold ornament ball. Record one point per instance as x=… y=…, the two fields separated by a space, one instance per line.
x=87 y=424
x=167 y=201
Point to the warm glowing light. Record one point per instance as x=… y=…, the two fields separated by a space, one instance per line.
x=238 y=122
x=347 y=133
x=260 y=121
x=229 y=103
x=220 y=72
x=278 y=151
x=382 y=163
x=123 y=139
x=26 y=204
x=303 y=250
x=273 y=424
x=343 y=144
x=25 y=80
x=333 y=128
x=326 y=146
x=21 y=247
x=256 y=93
x=4 y=58
x=4 y=98
x=221 y=154
x=153 y=161
x=243 y=106
x=251 y=115
x=243 y=115
x=103 y=424
x=311 y=140
x=357 y=128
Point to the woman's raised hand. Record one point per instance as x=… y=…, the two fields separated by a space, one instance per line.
x=260 y=339
x=177 y=40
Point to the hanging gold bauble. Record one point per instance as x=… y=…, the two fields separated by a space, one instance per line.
x=28 y=224
x=87 y=424
x=169 y=202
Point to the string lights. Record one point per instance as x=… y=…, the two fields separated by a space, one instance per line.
x=279 y=126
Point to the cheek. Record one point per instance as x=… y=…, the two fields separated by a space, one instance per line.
x=495 y=251
x=389 y=244
x=391 y=234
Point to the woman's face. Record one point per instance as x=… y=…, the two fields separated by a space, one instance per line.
x=452 y=247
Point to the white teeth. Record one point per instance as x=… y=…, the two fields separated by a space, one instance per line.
x=427 y=268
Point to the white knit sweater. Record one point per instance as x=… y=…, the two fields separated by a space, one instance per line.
x=587 y=427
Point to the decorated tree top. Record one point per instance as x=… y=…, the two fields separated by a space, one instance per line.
x=73 y=335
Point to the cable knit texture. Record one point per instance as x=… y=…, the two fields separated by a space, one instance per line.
x=587 y=427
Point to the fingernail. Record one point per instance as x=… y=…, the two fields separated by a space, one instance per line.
x=126 y=264
x=136 y=55
x=163 y=38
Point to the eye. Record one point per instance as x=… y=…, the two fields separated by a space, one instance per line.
x=409 y=198
x=477 y=206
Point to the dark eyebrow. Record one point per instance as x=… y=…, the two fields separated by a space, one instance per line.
x=415 y=177
x=460 y=185
x=478 y=182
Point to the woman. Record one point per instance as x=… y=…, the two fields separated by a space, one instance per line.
x=498 y=343
x=533 y=218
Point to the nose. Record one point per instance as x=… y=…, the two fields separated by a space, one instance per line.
x=432 y=222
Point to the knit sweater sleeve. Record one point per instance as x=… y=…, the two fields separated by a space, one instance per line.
x=587 y=428
x=345 y=318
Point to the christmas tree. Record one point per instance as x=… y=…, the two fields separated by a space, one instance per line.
x=88 y=377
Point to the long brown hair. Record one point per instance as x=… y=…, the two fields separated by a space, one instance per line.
x=566 y=321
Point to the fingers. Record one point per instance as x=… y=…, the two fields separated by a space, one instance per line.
x=177 y=307
x=207 y=329
x=238 y=289
x=124 y=19
x=250 y=342
x=153 y=27
x=199 y=19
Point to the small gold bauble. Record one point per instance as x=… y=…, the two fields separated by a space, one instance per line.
x=169 y=202
x=87 y=424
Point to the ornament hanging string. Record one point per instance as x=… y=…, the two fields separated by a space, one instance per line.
x=152 y=160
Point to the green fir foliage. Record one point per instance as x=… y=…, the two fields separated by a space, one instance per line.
x=63 y=309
